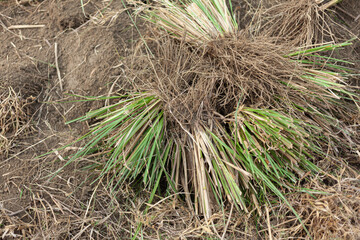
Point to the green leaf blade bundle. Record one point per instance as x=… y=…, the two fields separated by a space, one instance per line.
x=197 y=20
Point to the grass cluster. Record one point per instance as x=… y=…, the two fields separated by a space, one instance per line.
x=257 y=129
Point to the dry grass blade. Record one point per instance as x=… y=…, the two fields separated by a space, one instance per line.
x=14 y=118
x=331 y=216
x=329 y=4
x=297 y=22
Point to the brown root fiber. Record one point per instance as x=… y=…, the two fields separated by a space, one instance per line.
x=296 y=22
x=180 y=76
x=196 y=83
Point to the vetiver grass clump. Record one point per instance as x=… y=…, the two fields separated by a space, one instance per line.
x=220 y=116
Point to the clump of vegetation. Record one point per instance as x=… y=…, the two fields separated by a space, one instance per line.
x=221 y=116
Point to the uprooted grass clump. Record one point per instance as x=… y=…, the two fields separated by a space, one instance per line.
x=221 y=116
x=227 y=128
x=263 y=101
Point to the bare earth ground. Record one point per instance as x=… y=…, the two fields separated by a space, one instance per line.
x=91 y=42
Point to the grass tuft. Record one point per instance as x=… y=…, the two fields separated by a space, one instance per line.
x=221 y=117
x=131 y=134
